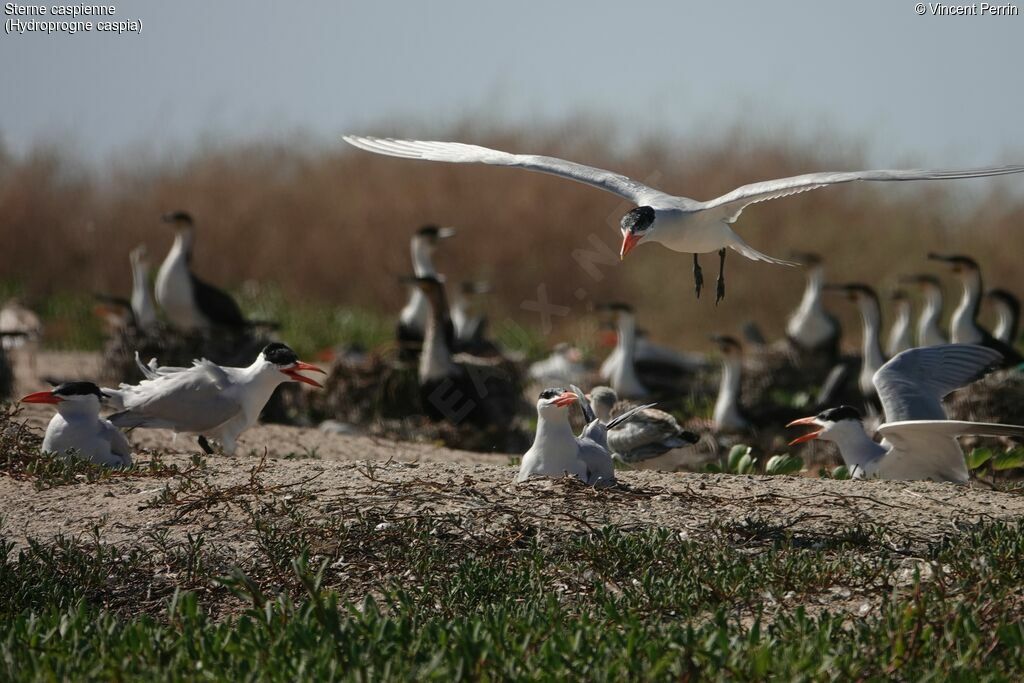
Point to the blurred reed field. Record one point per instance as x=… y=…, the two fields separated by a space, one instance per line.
x=328 y=225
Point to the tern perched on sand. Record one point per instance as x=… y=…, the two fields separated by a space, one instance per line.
x=556 y=451
x=78 y=429
x=919 y=442
x=679 y=223
x=206 y=399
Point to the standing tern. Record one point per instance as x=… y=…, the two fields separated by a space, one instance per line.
x=679 y=223
x=964 y=326
x=77 y=428
x=206 y=399
x=929 y=323
x=919 y=441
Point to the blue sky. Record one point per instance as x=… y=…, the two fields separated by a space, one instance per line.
x=936 y=90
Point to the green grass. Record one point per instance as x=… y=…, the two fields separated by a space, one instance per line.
x=740 y=603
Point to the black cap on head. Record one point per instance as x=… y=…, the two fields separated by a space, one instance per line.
x=551 y=393
x=177 y=217
x=280 y=354
x=77 y=389
x=638 y=220
x=955 y=259
x=726 y=343
x=840 y=413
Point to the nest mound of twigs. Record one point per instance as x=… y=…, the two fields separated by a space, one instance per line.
x=231 y=348
x=380 y=394
x=999 y=398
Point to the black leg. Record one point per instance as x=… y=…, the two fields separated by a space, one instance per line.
x=721 y=276
x=698 y=276
x=205 y=445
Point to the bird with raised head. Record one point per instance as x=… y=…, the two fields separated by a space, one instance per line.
x=207 y=399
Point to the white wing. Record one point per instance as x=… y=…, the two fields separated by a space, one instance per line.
x=927 y=449
x=912 y=385
x=460 y=153
x=731 y=205
x=119 y=444
x=191 y=400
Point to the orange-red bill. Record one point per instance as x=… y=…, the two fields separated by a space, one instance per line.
x=565 y=399
x=295 y=370
x=42 y=397
x=810 y=436
x=629 y=241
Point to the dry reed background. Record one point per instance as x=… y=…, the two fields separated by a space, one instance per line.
x=330 y=224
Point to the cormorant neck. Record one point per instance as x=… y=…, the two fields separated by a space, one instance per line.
x=871 y=318
x=1006 y=327
x=728 y=411
x=899 y=334
x=422 y=257
x=182 y=247
x=436 y=358
x=929 y=330
x=965 y=316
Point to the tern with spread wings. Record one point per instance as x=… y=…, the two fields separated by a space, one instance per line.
x=919 y=442
x=679 y=223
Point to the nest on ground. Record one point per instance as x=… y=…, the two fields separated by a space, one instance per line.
x=173 y=347
x=998 y=398
x=380 y=394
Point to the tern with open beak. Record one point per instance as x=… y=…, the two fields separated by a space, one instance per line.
x=77 y=428
x=206 y=399
x=918 y=441
x=679 y=223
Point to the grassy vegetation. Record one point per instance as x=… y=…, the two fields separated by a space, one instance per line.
x=412 y=600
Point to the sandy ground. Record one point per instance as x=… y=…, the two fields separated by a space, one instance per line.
x=334 y=474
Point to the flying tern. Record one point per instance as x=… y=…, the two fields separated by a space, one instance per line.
x=679 y=223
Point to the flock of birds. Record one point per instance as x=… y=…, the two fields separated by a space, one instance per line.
x=900 y=381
